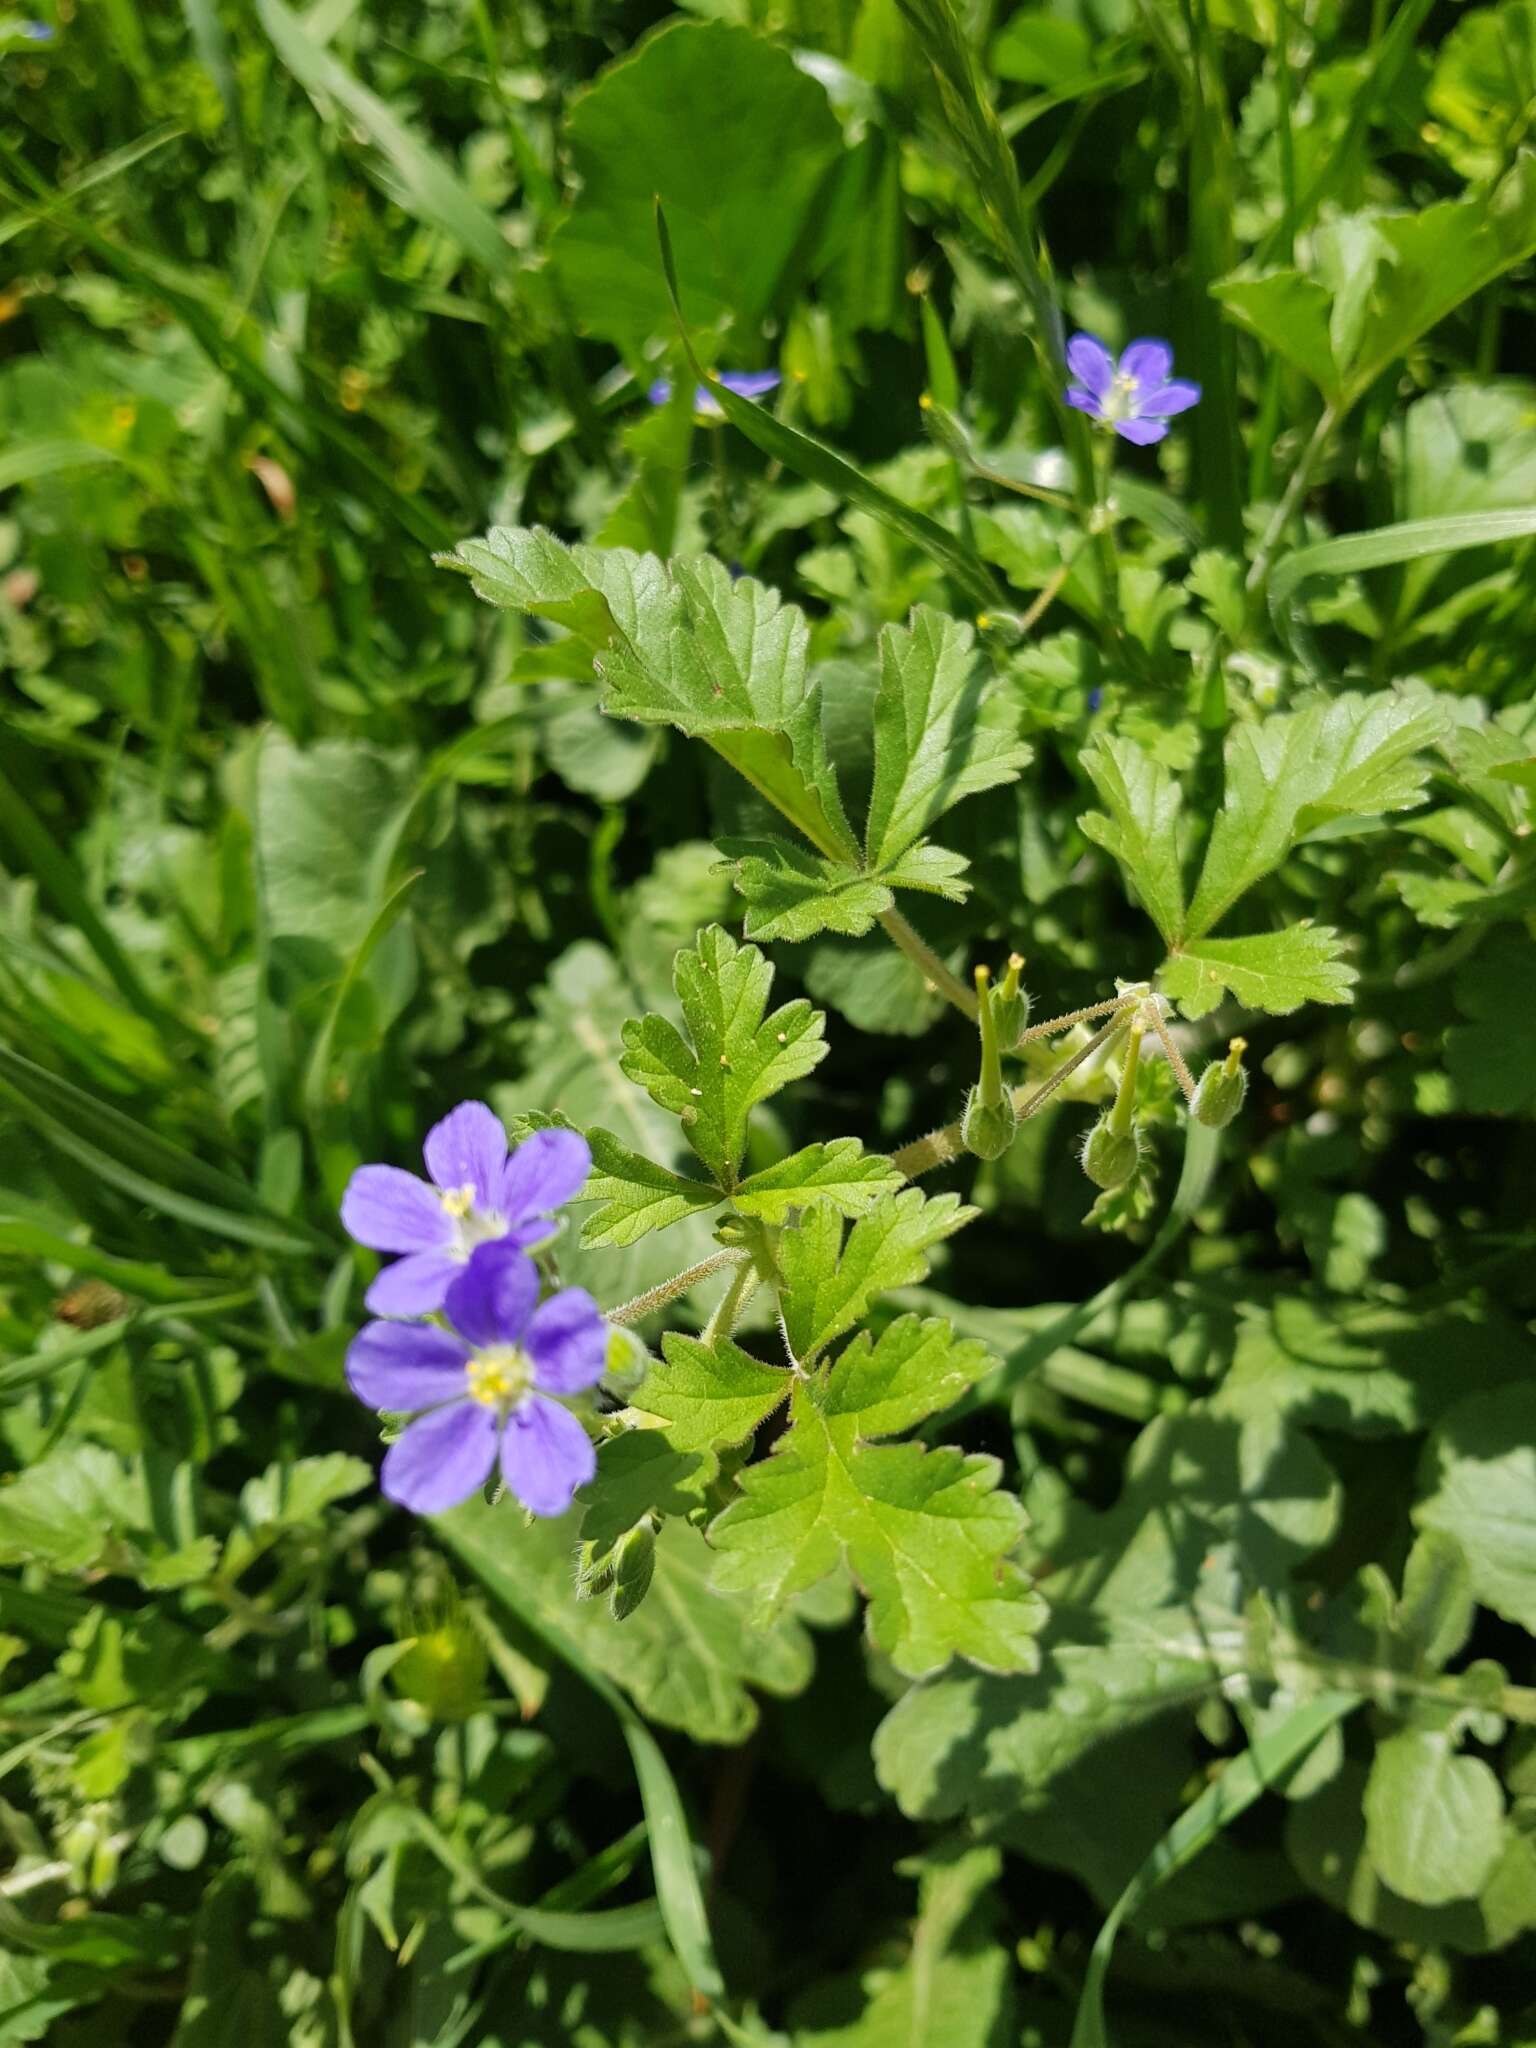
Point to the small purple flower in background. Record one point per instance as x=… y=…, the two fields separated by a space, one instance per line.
x=745 y=383
x=1137 y=396
x=37 y=31
x=486 y=1386
x=479 y=1195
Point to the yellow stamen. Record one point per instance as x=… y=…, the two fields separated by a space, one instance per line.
x=458 y=1202
x=499 y=1377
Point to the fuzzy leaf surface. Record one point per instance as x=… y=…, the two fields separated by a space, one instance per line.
x=710 y=1397
x=830 y=1283
x=938 y=736
x=925 y=1533
x=736 y=1054
x=1274 y=971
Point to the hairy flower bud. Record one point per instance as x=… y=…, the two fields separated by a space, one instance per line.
x=1110 y=1157
x=987 y=1128
x=1010 y=1006
x=1220 y=1091
x=634 y=1561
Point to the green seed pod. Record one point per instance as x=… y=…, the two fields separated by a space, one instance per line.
x=1110 y=1158
x=1010 y=1006
x=1220 y=1090
x=634 y=1560
x=987 y=1128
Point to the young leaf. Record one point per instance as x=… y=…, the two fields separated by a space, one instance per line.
x=641 y=1472
x=1274 y=971
x=1286 y=776
x=792 y=893
x=637 y=1195
x=1434 y=1821
x=738 y=1055
x=1383 y=280
x=1142 y=827
x=710 y=1396
x=925 y=1533
x=938 y=738
x=840 y=1173
x=682 y=644
x=828 y=1285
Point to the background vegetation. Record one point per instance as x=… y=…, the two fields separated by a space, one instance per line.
x=300 y=845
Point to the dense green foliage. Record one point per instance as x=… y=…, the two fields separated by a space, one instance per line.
x=1064 y=1570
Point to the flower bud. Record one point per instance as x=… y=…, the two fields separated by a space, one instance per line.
x=987 y=1128
x=1220 y=1090
x=1110 y=1157
x=1010 y=1006
x=634 y=1561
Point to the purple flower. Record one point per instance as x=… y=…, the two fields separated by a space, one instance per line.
x=37 y=31
x=479 y=1195
x=486 y=1385
x=1136 y=396
x=745 y=383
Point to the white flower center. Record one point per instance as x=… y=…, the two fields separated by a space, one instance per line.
x=500 y=1377
x=1119 y=401
x=471 y=1226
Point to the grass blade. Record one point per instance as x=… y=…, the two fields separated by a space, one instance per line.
x=1382 y=547
x=422 y=183
x=1240 y=1784
x=678 y=1891
x=143 y=1166
x=819 y=464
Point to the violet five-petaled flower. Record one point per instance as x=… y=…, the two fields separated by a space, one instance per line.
x=1136 y=396
x=490 y=1384
x=745 y=383
x=479 y=1194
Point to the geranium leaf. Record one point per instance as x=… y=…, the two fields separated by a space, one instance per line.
x=1274 y=971
x=840 y=1173
x=736 y=1054
x=925 y=1533
x=829 y=1283
x=939 y=737
x=1141 y=829
x=710 y=1395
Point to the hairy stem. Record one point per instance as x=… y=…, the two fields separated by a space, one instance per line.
x=1052 y=1025
x=928 y=963
x=1176 y=1059
x=940 y=1147
x=727 y=1314
x=668 y=1290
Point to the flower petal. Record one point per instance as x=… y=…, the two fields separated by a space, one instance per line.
x=405 y=1366
x=491 y=1300
x=1084 y=401
x=1176 y=396
x=442 y=1458
x=1091 y=363
x=546 y=1170
x=567 y=1340
x=660 y=391
x=545 y=1456
x=413 y=1286
x=390 y=1210
x=1142 y=432
x=750 y=383
x=1149 y=362
x=469 y=1149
